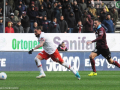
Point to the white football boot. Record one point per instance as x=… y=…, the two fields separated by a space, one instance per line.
x=42 y=75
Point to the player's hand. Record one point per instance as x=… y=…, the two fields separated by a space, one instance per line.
x=30 y=52
x=89 y=42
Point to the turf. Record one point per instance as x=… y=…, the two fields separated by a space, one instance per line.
x=25 y=80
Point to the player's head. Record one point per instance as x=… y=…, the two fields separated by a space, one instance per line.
x=97 y=23
x=37 y=31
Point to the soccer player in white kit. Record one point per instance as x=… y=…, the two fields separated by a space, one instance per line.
x=49 y=51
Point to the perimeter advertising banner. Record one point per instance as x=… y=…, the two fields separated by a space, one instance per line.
x=22 y=61
x=74 y=42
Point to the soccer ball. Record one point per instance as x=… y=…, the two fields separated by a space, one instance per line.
x=3 y=76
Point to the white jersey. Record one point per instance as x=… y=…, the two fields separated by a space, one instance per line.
x=48 y=45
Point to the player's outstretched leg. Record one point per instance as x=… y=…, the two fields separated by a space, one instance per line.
x=39 y=65
x=116 y=64
x=76 y=73
x=113 y=62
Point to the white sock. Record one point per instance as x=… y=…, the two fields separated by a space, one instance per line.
x=69 y=67
x=39 y=65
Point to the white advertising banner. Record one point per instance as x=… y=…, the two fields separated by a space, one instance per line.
x=74 y=42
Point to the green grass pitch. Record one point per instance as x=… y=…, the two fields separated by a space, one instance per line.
x=26 y=80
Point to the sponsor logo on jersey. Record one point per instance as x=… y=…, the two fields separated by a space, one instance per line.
x=42 y=39
x=101 y=33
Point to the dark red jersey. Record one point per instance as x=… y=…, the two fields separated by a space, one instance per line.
x=100 y=40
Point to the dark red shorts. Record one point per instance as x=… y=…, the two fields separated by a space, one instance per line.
x=55 y=56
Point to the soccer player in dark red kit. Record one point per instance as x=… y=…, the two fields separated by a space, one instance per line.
x=101 y=47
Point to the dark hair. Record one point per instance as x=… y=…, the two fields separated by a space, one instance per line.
x=38 y=28
x=97 y=20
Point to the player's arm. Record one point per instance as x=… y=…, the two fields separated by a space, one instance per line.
x=40 y=45
x=98 y=38
x=42 y=41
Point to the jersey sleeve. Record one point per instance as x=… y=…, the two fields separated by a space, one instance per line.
x=101 y=32
x=42 y=37
x=100 y=35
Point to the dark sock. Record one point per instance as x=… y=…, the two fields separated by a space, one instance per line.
x=116 y=64
x=93 y=64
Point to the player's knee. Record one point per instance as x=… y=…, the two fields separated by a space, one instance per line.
x=38 y=57
x=35 y=58
x=91 y=57
x=110 y=61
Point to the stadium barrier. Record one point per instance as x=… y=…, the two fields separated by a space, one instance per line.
x=14 y=52
x=22 y=61
x=74 y=42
